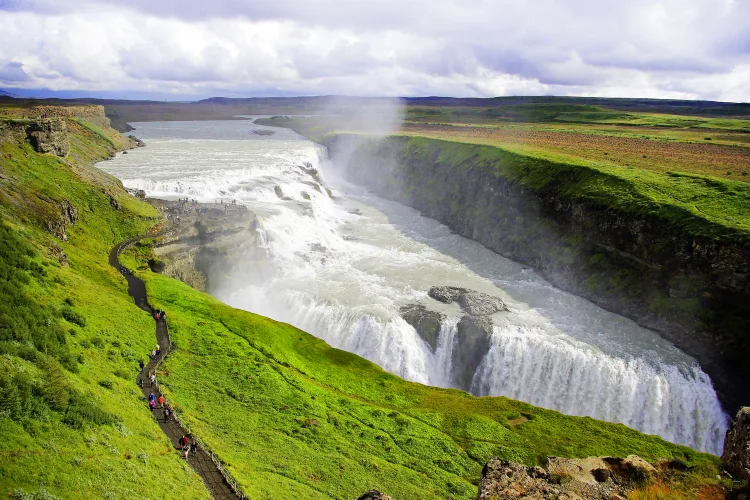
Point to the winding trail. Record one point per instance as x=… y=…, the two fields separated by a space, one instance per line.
x=203 y=461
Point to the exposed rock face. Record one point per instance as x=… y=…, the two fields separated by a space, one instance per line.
x=49 y=136
x=59 y=254
x=736 y=456
x=593 y=478
x=474 y=330
x=425 y=322
x=207 y=243
x=374 y=495
x=693 y=291
x=472 y=343
x=474 y=303
x=68 y=214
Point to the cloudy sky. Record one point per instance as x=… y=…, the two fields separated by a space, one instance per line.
x=693 y=49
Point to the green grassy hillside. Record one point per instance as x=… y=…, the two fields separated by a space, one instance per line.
x=294 y=418
x=71 y=420
x=291 y=416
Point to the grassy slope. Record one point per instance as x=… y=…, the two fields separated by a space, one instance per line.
x=128 y=457
x=294 y=418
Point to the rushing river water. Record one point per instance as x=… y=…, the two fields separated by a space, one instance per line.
x=341 y=269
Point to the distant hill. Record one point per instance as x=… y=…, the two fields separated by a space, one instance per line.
x=122 y=112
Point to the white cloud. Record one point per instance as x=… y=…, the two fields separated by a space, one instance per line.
x=666 y=48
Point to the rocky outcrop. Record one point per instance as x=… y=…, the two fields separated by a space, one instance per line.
x=209 y=240
x=736 y=456
x=473 y=335
x=471 y=302
x=473 y=332
x=425 y=322
x=49 y=136
x=67 y=214
x=91 y=113
x=593 y=478
x=694 y=291
x=136 y=142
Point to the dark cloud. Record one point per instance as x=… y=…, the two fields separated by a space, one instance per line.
x=12 y=72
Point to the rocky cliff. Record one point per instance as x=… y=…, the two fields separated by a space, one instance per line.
x=694 y=290
x=204 y=242
x=93 y=113
x=736 y=456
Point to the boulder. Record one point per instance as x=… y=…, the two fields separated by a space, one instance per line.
x=425 y=322
x=471 y=302
x=279 y=192
x=736 y=456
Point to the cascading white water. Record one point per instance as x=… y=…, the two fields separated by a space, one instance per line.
x=341 y=269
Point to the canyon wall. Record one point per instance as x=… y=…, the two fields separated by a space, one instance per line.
x=693 y=290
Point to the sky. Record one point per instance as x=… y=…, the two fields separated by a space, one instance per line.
x=192 y=49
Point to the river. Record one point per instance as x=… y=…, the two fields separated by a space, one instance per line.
x=340 y=268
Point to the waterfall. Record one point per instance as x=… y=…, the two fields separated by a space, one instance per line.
x=675 y=402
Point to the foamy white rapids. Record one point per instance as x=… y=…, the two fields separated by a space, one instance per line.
x=341 y=269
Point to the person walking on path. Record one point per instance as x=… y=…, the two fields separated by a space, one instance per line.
x=153 y=381
x=157 y=350
x=161 y=401
x=141 y=364
x=194 y=447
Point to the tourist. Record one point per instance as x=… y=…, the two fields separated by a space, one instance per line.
x=193 y=447
x=183 y=442
x=153 y=381
x=141 y=364
x=153 y=354
x=161 y=401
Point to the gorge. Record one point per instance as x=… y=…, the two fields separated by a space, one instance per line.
x=342 y=263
